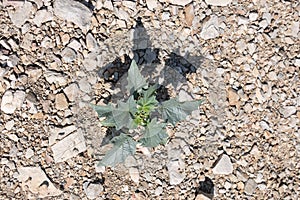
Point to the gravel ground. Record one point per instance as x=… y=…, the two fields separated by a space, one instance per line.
x=241 y=57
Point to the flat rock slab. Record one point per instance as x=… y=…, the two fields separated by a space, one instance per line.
x=73 y=11
x=35 y=180
x=69 y=147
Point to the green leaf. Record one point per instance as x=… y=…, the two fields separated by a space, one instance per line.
x=174 y=111
x=135 y=79
x=122 y=114
x=148 y=97
x=124 y=146
x=155 y=134
x=105 y=111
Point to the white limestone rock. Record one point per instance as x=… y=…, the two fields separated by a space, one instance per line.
x=42 y=16
x=180 y=2
x=36 y=181
x=69 y=147
x=210 y=28
x=218 y=2
x=12 y=101
x=73 y=11
x=21 y=14
x=223 y=166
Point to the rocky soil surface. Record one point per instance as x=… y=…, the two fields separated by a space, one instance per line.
x=241 y=57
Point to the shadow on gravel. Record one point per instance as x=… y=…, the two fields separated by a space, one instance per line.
x=145 y=54
x=206 y=188
x=148 y=59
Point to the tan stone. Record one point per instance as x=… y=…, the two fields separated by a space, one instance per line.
x=61 y=102
x=233 y=97
x=189 y=14
x=201 y=197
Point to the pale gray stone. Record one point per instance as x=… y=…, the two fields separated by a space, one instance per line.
x=36 y=181
x=121 y=23
x=84 y=86
x=251 y=48
x=210 y=28
x=68 y=55
x=151 y=4
x=122 y=14
x=59 y=133
x=92 y=190
x=69 y=147
x=34 y=73
x=15 y=4
x=73 y=11
x=99 y=4
x=223 y=166
x=158 y=191
x=47 y=42
x=263 y=24
x=180 y=2
x=241 y=45
x=13 y=44
x=12 y=101
x=13 y=137
x=175 y=164
x=91 y=42
x=218 y=2
x=42 y=16
x=71 y=91
x=39 y=3
x=29 y=153
x=9 y=125
x=55 y=77
x=294 y=30
x=242 y=20
x=250 y=186
x=27 y=41
x=134 y=174
x=264 y=125
x=184 y=96
x=253 y=16
x=297 y=62
x=75 y=44
x=268 y=17
x=21 y=14
x=90 y=62
x=98 y=168
x=129 y=4
x=288 y=111
x=108 y=4
x=176 y=171
x=165 y=16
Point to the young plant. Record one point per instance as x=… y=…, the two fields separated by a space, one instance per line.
x=137 y=114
